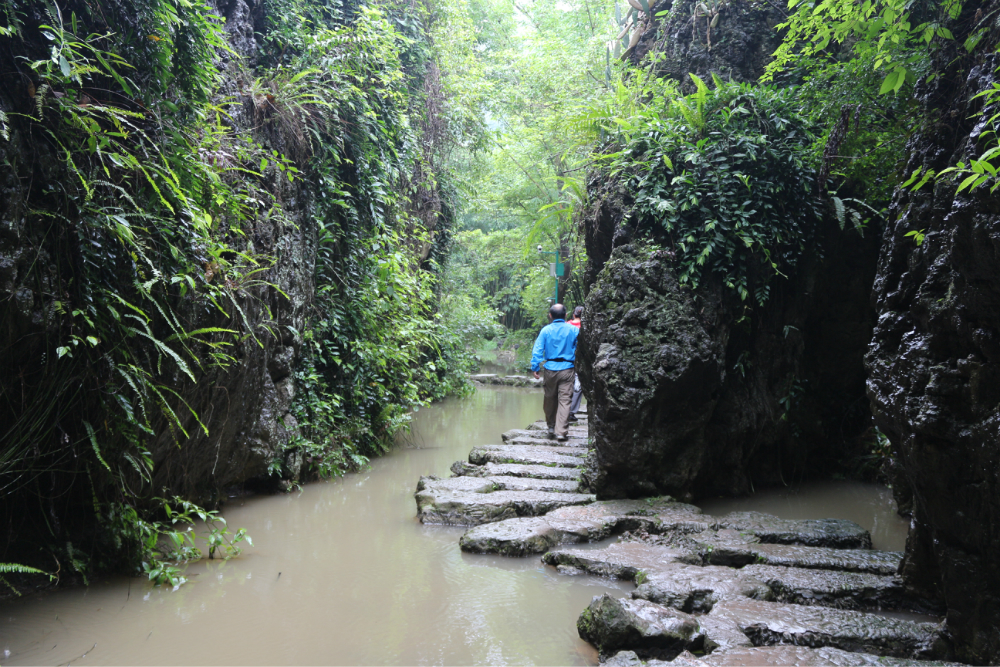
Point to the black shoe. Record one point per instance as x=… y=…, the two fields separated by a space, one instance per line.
x=572 y=418
x=561 y=438
x=551 y=434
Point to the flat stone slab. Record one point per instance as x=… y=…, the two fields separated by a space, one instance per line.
x=568 y=525
x=464 y=468
x=697 y=589
x=579 y=443
x=836 y=533
x=829 y=588
x=471 y=509
x=768 y=623
x=506 y=380
x=535 y=435
x=513 y=483
x=622 y=560
x=515 y=537
x=728 y=547
x=581 y=422
x=646 y=628
x=778 y=656
x=525 y=455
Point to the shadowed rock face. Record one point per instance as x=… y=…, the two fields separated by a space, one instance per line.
x=685 y=398
x=934 y=361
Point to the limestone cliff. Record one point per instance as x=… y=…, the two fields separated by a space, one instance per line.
x=934 y=361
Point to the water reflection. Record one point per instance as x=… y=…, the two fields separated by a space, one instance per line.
x=341 y=573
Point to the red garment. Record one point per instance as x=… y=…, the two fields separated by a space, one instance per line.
x=576 y=324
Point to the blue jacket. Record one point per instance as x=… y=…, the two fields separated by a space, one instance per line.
x=555 y=341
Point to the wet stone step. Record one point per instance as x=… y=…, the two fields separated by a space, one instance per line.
x=697 y=588
x=474 y=508
x=571 y=525
x=579 y=443
x=622 y=560
x=491 y=483
x=525 y=455
x=769 y=623
x=507 y=380
x=836 y=533
x=729 y=547
x=464 y=468
x=649 y=629
x=581 y=423
x=773 y=656
x=830 y=588
x=535 y=435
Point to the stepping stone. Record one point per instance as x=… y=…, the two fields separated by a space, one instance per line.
x=508 y=380
x=727 y=547
x=514 y=470
x=442 y=505
x=622 y=560
x=829 y=588
x=579 y=443
x=777 y=656
x=581 y=423
x=525 y=455
x=566 y=525
x=512 y=483
x=695 y=588
x=639 y=625
x=836 y=533
x=515 y=537
x=541 y=436
x=768 y=623
x=571 y=525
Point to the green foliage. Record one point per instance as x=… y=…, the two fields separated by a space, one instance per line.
x=161 y=169
x=15 y=568
x=892 y=35
x=726 y=177
x=172 y=542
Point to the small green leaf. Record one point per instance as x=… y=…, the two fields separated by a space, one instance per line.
x=64 y=65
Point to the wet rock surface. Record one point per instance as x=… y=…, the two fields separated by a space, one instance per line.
x=505 y=380
x=745 y=588
x=508 y=482
x=836 y=533
x=934 y=359
x=775 y=623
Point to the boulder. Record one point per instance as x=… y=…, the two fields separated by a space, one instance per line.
x=641 y=626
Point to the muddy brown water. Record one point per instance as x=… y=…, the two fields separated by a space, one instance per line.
x=342 y=573
x=361 y=581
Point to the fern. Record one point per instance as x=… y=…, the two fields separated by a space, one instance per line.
x=15 y=568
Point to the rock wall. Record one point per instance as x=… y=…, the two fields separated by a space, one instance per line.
x=934 y=360
x=686 y=398
x=737 y=47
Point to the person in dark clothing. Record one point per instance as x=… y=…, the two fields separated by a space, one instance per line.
x=556 y=348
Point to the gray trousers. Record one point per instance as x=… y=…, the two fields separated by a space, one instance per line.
x=558 y=394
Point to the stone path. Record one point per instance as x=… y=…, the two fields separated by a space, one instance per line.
x=508 y=380
x=742 y=589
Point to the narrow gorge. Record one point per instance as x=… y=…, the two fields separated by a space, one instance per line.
x=288 y=258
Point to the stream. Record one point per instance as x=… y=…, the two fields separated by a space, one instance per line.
x=343 y=573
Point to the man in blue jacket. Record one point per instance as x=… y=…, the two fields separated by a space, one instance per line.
x=556 y=346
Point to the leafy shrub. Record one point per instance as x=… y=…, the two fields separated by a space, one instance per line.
x=725 y=178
